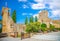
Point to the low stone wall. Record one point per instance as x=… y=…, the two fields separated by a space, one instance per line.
x=3 y=35
x=25 y=35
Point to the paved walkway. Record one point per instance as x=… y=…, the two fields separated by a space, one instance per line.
x=18 y=39
x=55 y=36
x=46 y=37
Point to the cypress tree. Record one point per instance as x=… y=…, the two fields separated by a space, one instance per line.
x=26 y=20
x=36 y=19
x=31 y=19
x=14 y=16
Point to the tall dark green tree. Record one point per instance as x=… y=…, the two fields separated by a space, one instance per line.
x=31 y=19
x=14 y=16
x=26 y=20
x=36 y=19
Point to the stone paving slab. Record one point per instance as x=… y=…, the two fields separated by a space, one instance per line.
x=31 y=39
x=18 y=39
x=35 y=38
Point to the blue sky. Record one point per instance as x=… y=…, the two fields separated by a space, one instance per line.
x=27 y=8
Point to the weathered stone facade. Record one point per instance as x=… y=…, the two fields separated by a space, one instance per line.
x=56 y=23
x=5 y=20
x=43 y=18
x=8 y=25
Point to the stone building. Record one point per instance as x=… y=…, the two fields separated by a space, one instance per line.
x=43 y=18
x=5 y=20
x=8 y=25
x=56 y=23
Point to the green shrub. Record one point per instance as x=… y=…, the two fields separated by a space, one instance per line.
x=33 y=27
x=52 y=27
x=57 y=29
x=43 y=27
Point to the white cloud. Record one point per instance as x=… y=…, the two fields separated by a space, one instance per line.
x=55 y=13
x=22 y=0
x=38 y=6
x=48 y=1
x=25 y=6
x=39 y=1
x=54 y=5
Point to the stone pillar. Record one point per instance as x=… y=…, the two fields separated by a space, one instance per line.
x=5 y=21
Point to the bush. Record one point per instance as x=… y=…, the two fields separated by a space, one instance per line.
x=43 y=27
x=28 y=28
x=52 y=27
x=57 y=29
x=33 y=27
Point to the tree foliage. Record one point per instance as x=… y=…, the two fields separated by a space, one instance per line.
x=0 y=30
x=31 y=19
x=33 y=26
x=14 y=16
x=52 y=27
x=36 y=19
x=26 y=20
